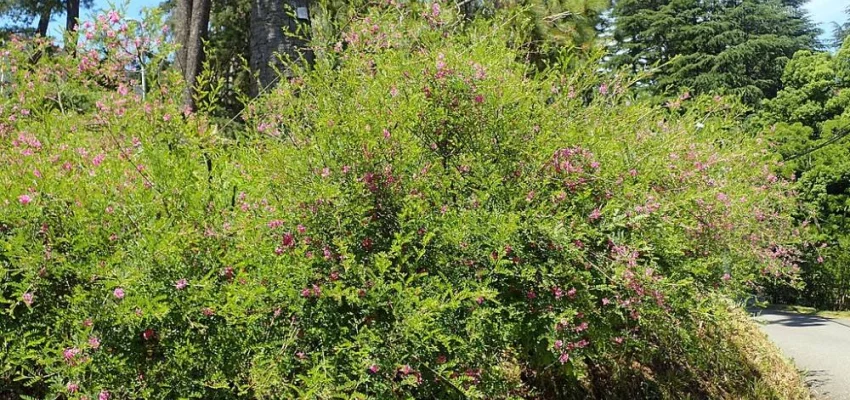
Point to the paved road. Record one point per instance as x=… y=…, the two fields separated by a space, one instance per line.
x=819 y=346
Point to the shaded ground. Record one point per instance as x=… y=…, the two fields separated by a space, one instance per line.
x=820 y=346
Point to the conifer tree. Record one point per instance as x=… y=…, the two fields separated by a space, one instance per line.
x=729 y=46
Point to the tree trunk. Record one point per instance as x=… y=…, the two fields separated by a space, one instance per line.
x=193 y=18
x=182 y=23
x=275 y=30
x=72 y=13
x=43 y=22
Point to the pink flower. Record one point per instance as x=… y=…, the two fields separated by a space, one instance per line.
x=98 y=159
x=301 y=229
x=94 y=342
x=581 y=327
x=24 y=199
x=386 y=133
x=113 y=18
x=559 y=344
x=288 y=240
x=374 y=368
x=28 y=297
x=479 y=300
x=118 y=293
x=820 y=260
x=181 y=284
x=69 y=354
x=564 y=358
x=595 y=214
x=72 y=387
x=148 y=334
x=104 y=395
x=726 y=277
x=557 y=292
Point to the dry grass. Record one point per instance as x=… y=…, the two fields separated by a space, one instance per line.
x=776 y=377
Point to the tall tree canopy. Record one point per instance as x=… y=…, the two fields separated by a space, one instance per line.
x=731 y=46
x=809 y=122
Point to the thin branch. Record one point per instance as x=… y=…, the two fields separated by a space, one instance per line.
x=841 y=135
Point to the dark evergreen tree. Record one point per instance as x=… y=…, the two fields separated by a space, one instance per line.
x=728 y=46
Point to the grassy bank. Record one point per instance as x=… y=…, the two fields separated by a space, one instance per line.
x=775 y=376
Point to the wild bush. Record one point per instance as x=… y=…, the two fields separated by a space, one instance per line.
x=420 y=215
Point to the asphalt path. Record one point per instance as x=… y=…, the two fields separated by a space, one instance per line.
x=819 y=346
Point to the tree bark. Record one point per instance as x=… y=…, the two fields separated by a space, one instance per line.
x=275 y=31
x=182 y=23
x=72 y=13
x=193 y=18
x=43 y=22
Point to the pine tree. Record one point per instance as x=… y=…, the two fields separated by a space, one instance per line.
x=712 y=46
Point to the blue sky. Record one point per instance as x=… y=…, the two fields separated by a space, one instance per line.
x=823 y=12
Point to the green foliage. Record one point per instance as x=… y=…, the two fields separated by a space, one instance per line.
x=421 y=215
x=571 y=23
x=734 y=47
x=809 y=121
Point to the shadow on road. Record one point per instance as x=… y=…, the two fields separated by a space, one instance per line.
x=816 y=378
x=799 y=320
x=790 y=319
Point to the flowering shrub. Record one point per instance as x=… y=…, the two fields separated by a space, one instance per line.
x=416 y=217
